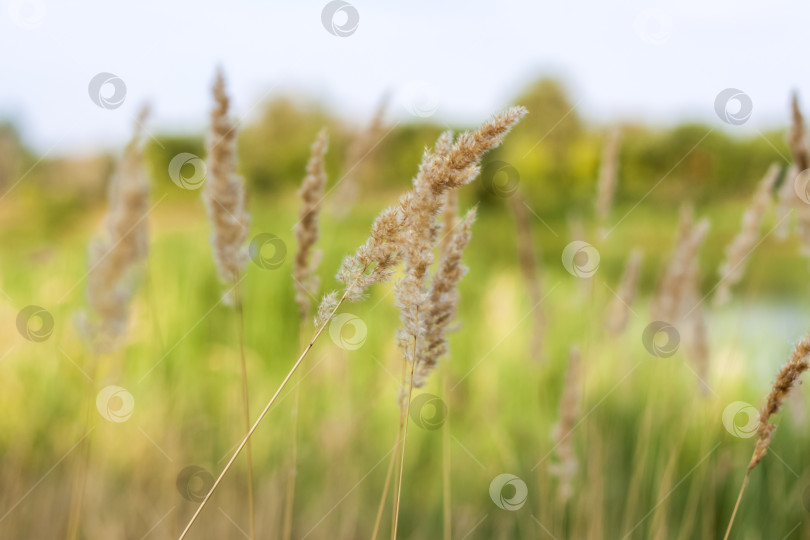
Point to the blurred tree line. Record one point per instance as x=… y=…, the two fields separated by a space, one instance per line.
x=554 y=153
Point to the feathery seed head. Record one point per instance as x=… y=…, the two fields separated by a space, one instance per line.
x=224 y=191
x=116 y=257
x=306 y=231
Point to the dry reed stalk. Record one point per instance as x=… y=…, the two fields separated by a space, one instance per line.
x=733 y=268
x=641 y=456
x=669 y=302
x=621 y=305
x=224 y=196
x=306 y=231
x=608 y=175
x=785 y=381
x=659 y=526
x=450 y=223
x=797 y=140
x=357 y=163
x=447 y=513
x=375 y=260
x=567 y=466
x=531 y=274
x=117 y=257
x=306 y=282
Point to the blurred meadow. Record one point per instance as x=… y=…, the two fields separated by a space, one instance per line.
x=652 y=456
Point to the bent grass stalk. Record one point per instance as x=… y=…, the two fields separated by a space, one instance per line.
x=292 y=474
x=388 y=474
x=446 y=486
x=406 y=413
x=306 y=232
x=261 y=416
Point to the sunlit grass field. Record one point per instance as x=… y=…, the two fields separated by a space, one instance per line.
x=655 y=459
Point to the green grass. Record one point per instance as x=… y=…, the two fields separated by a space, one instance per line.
x=655 y=459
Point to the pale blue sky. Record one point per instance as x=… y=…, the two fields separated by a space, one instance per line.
x=654 y=61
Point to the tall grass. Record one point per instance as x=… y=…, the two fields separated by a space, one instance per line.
x=658 y=462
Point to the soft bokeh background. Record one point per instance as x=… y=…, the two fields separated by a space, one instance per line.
x=655 y=460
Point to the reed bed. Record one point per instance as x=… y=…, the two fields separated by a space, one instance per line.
x=631 y=454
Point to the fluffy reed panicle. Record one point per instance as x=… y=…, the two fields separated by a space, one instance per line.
x=449 y=167
x=531 y=274
x=117 y=255
x=566 y=466
x=787 y=379
x=621 y=306
x=406 y=231
x=608 y=175
x=733 y=268
x=786 y=200
x=373 y=262
x=224 y=191
x=442 y=302
x=672 y=291
x=796 y=136
x=306 y=230
x=797 y=140
x=697 y=332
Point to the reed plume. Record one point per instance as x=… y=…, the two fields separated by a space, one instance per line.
x=733 y=268
x=566 y=467
x=306 y=230
x=425 y=312
x=796 y=136
x=621 y=305
x=786 y=201
x=697 y=328
x=669 y=303
x=375 y=260
x=797 y=140
x=450 y=166
x=224 y=191
x=117 y=256
x=786 y=380
x=442 y=302
x=608 y=175
x=531 y=274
